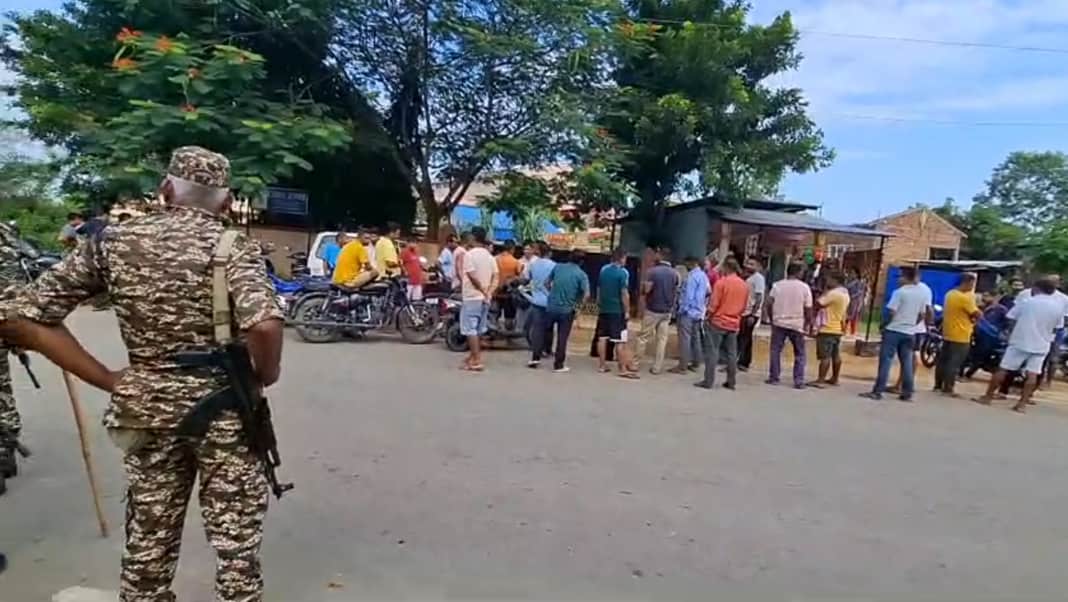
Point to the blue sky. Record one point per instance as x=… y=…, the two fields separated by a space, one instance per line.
x=883 y=165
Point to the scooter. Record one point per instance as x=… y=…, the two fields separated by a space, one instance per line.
x=496 y=330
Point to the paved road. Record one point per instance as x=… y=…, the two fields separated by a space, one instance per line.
x=416 y=481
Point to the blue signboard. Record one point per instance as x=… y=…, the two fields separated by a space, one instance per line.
x=290 y=201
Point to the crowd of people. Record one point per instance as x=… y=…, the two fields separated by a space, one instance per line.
x=716 y=306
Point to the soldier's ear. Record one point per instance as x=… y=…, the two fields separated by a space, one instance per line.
x=165 y=192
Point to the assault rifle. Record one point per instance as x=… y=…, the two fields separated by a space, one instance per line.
x=242 y=396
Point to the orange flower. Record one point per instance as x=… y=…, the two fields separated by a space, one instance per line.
x=193 y=73
x=127 y=35
x=164 y=44
x=188 y=108
x=124 y=64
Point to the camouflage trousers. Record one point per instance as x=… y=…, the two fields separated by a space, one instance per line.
x=10 y=422
x=233 y=503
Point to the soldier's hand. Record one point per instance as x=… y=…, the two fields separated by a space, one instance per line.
x=116 y=376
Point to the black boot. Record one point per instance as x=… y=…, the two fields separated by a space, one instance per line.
x=9 y=467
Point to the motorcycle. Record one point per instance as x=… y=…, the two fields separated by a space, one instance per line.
x=325 y=316
x=289 y=291
x=514 y=291
x=33 y=262
x=932 y=343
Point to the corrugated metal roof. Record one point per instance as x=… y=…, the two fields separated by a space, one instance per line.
x=792 y=221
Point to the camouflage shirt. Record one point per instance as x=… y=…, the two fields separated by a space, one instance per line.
x=11 y=276
x=157 y=271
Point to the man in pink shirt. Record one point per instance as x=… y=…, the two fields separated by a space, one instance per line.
x=791 y=316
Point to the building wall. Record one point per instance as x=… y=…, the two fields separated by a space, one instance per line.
x=687 y=230
x=689 y=233
x=915 y=234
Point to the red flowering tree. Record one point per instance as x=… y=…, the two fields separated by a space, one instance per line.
x=180 y=91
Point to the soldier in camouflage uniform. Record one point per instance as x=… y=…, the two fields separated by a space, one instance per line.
x=11 y=278
x=157 y=269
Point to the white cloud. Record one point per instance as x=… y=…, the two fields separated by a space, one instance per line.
x=842 y=75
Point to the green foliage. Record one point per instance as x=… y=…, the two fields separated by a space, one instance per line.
x=529 y=201
x=38 y=221
x=119 y=83
x=1029 y=189
x=464 y=86
x=694 y=98
x=989 y=235
x=182 y=91
x=1048 y=248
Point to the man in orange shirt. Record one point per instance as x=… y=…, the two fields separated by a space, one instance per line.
x=730 y=297
x=509 y=268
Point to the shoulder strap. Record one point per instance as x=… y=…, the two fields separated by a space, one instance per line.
x=220 y=292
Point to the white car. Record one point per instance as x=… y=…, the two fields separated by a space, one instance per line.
x=316 y=263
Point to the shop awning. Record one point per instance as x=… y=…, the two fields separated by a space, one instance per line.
x=789 y=221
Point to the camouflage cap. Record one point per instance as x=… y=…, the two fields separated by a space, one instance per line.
x=200 y=165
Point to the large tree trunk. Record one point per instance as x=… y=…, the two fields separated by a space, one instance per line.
x=435 y=215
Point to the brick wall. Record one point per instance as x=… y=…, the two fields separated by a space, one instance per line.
x=915 y=233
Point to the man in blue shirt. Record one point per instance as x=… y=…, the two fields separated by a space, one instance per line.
x=539 y=271
x=568 y=287
x=693 y=304
x=332 y=249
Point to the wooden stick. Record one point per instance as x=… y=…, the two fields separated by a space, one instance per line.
x=79 y=421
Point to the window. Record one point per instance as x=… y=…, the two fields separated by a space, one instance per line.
x=941 y=254
x=838 y=251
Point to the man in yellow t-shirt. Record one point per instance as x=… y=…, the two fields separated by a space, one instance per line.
x=959 y=314
x=386 y=259
x=353 y=266
x=833 y=305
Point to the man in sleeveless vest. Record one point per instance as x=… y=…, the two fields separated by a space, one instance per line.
x=159 y=271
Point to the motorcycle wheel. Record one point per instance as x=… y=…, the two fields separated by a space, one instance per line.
x=417 y=334
x=929 y=352
x=307 y=310
x=453 y=339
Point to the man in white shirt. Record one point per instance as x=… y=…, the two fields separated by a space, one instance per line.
x=910 y=309
x=447 y=263
x=1036 y=319
x=790 y=311
x=1050 y=367
x=480 y=276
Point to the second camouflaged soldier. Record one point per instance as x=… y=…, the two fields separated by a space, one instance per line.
x=158 y=272
x=11 y=278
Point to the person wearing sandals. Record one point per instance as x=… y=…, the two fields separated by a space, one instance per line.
x=480 y=277
x=613 y=303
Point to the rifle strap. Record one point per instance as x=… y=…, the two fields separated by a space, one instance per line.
x=220 y=292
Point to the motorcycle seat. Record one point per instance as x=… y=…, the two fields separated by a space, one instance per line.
x=374 y=287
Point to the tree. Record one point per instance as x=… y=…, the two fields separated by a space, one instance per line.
x=465 y=86
x=528 y=200
x=1029 y=189
x=68 y=85
x=988 y=234
x=695 y=98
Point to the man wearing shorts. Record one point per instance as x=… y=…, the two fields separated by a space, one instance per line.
x=1035 y=319
x=834 y=309
x=613 y=302
x=479 y=274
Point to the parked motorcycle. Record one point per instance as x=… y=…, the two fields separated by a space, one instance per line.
x=496 y=331
x=325 y=316
x=932 y=343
